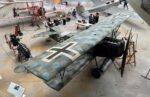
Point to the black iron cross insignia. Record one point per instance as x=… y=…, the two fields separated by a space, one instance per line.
x=66 y=50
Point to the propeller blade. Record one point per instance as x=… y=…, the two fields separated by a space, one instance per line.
x=125 y=55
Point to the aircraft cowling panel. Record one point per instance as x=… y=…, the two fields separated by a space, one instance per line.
x=110 y=47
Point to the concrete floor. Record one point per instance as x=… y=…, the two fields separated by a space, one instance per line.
x=84 y=85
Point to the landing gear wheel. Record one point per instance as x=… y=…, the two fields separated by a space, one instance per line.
x=96 y=73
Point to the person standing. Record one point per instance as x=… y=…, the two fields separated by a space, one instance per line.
x=66 y=3
x=125 y=4
x=50 y=24
x=64 y=21
x=74 y=13
x=54 y=8
x=41 y=11
x=96 y=18
x=14 y=12
x=18 y=31
x=91 y=19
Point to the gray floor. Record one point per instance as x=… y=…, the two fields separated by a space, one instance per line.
x=109 y=85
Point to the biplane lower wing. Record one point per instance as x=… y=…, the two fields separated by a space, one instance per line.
x=53 y=61
x=70 y=72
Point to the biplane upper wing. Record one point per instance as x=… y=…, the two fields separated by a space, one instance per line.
x=51 y=62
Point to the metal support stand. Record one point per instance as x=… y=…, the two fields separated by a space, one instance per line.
x=146 y=77
x=131 y=58
x=132 y=54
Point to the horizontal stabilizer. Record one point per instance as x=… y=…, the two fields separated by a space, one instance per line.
x=70 y=72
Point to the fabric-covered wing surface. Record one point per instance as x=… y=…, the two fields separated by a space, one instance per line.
x=49 y=63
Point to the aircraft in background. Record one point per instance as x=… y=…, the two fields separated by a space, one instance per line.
x=51 y=13
x=105 y=8
x=30 y=12
x=98 y=8
x=55 y=34
x=59 y=64
x=29 y=8
x=142 y=7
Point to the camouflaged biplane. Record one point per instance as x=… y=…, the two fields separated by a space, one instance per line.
x=59 y=64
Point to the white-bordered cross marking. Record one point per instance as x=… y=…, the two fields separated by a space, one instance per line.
x=65 y=50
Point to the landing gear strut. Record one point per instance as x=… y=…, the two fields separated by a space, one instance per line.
x=97 y=72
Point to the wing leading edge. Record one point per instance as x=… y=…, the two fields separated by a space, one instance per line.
x=51 y=62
